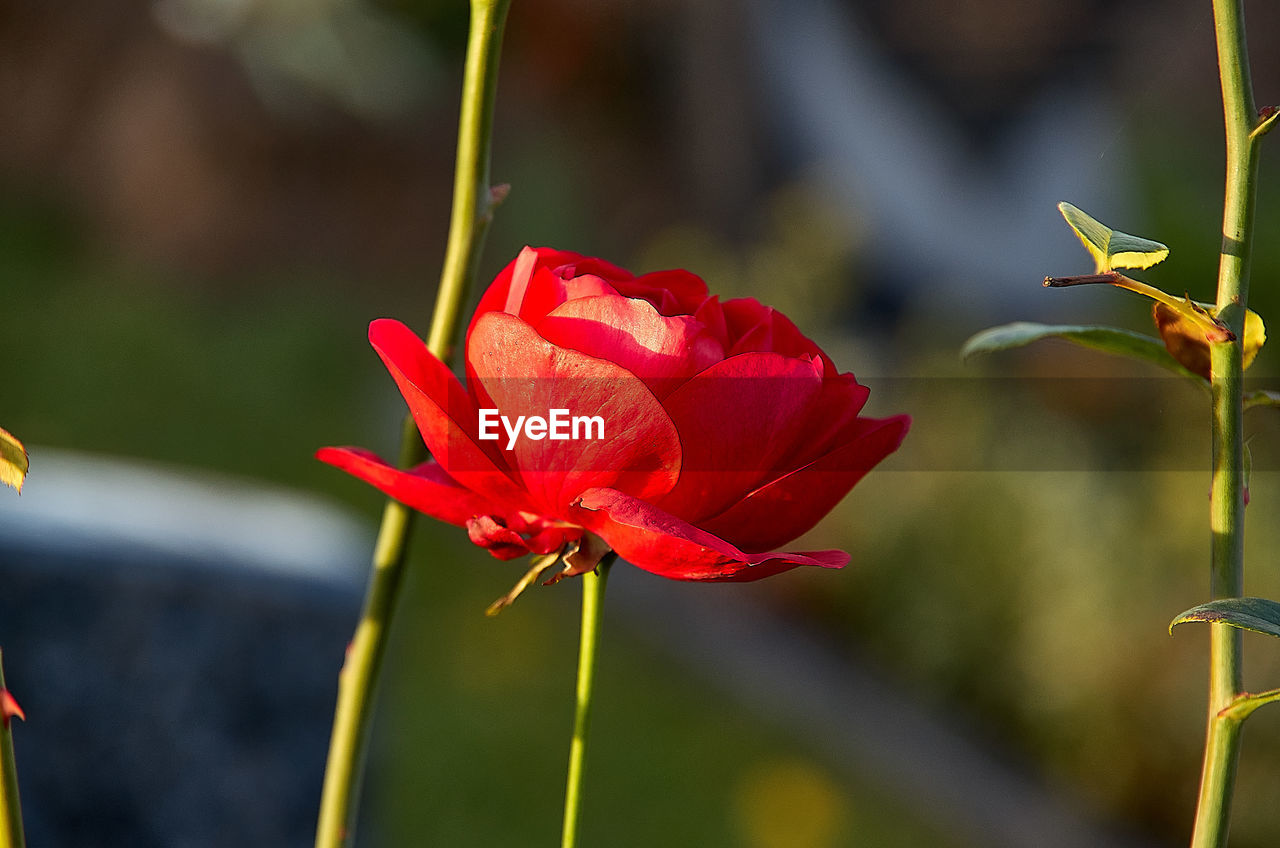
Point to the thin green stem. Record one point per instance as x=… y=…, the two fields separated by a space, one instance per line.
x=10 y=805
x=593 y=584
x=1222 y=737
x=473 y=198
x=472 y=211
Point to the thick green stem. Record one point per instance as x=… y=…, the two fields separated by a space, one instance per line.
x=472 y=212
x=10 y=805
x=593 y=584
x=1222 y=738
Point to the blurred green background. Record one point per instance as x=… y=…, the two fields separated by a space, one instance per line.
x=203 y=204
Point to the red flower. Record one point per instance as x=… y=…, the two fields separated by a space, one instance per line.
x=712 y=433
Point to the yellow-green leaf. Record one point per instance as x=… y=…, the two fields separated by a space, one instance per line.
x=1255 y=336
x=1261 y=397
x=1110 y=248
x=13 y=460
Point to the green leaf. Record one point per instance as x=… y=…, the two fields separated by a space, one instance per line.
x=1256 y=614
x=1110 y=248
x=1261 y=397
x=13 y=461
x=1106 y=339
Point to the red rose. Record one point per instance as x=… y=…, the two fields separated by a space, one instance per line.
x=712 y=433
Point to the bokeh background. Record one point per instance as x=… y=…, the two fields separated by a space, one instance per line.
x=203 y=203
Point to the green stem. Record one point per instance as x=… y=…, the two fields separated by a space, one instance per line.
x=10 y=805
x=593 y=584
x=473 y=204
x=1222 y=737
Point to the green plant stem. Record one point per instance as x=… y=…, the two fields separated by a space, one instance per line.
x=593 y=584
x=10 y=805
x=1222 y=737
x=473 y=204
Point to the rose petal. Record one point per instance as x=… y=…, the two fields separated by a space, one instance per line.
x=426 y=487
x=782 y=510
x=655 y=540
x=754 y=326
x=540 y=279
x=446 y=416
x=495 y=537
x=674 y=292
x=832 y=415
x=737 y=420
x=662 y=351
x=522 y=374
x=711 y=314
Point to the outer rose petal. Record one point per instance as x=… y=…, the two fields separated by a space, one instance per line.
x=778 y=512
x=657 y=541
x=662 y=351
x=444 y=413
x=737 y=420
x=521 y=373
x=830 y=420
x=425 y=487
x=428 y=489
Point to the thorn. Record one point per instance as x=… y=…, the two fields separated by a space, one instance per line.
x=9 y=707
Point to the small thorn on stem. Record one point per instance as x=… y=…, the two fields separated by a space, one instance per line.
x=9 y=707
